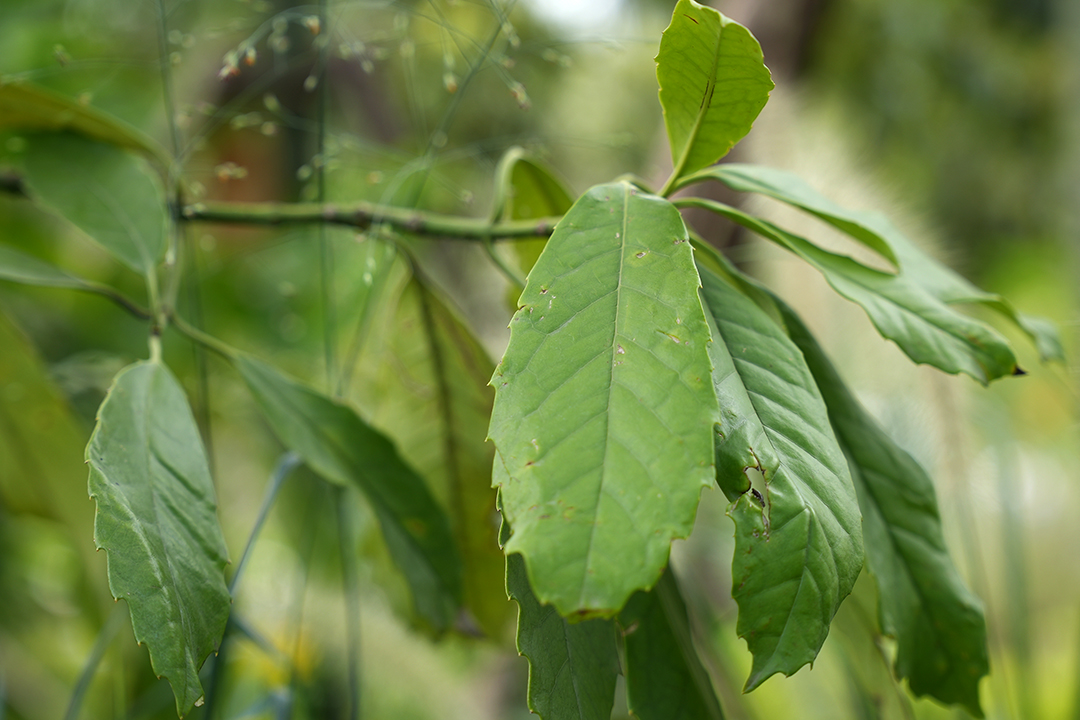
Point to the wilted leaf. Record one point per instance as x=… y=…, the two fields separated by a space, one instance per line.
x=423 y=381
x=713 y=84
x=157 y=520
x=335 y=443
x=798 y=542
x=937 y=622
x=665 y=679
x=110 y=194
x=603 y=403
x=877 y=232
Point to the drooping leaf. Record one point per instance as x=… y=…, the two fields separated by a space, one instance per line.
x=343 y=449
x=572 y=666
x=798 y=543
x=924 y=327
x=18 y=267
x=937 y=622
x=157 y=521
x=713 y=84
x=528 y=190
x=108 y=193
x=877 y=232
x=603 y=403
x=24 y=106
x=665 y=679
x=422 y=380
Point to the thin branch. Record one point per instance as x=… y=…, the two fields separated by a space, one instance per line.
x=363 y=215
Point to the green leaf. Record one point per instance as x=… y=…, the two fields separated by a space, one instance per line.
x=572 y=666
x=798 y=542
x=937 y=622
x=157 y=521
x=108 y=193
x=713 y=84
x=877 y=232
x=24 y=106
x=335 y=443
x=528 y=189
x=924 y=327
x=665 y=679
x=18 y=267
x=603 y=405
x=423 y=381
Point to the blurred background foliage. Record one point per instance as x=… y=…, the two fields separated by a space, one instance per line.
x=959 y=118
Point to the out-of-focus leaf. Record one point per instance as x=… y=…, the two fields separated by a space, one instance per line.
x=876 y=231
x=24 y=106
x=157 y=521
x=713 y=84
x=17 y=266
x=937 y=622
x=665 y=679
x=798 y=541
x=343 y=449
x=924 y=327
x=528 y=190
x=110 y=194
x=603 y=403
x=423 y=381
x=572 y=666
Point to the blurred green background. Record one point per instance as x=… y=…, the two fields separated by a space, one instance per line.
x=958 y=118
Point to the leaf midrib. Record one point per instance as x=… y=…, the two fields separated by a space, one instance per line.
x=703 y=110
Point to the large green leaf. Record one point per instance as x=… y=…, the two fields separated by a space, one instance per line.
x=877 y=232
x=713 y=84
x=24 y=106
x=798 y=542
x=343 y=449
x=924 y=327
x=603 y=405
x=157 y=521
x=937 y=622
x=572 y=666
x=665 y=679
x=422 y=380
x=108 y=193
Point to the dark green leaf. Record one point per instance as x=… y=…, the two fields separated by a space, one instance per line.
x=937 y=622
x=24 y=106
x=157 y=520
x=603 y=405
x=798 y=542
x=713 y=84
x=924 y=327
x=16 y=266
x=108 y=193
x=572 y=666
x=423 y=381
x=875 y=231
x=665 y=679
x=343 y=449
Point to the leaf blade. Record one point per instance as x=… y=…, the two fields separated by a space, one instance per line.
x=19 y=267
x=109 y=195
x=157 y=522
x=665 y=679
x=877 y=232
x=576 y=409
x=335 y=443
x=799 y=547
x=923 y=602
x=713 y=83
